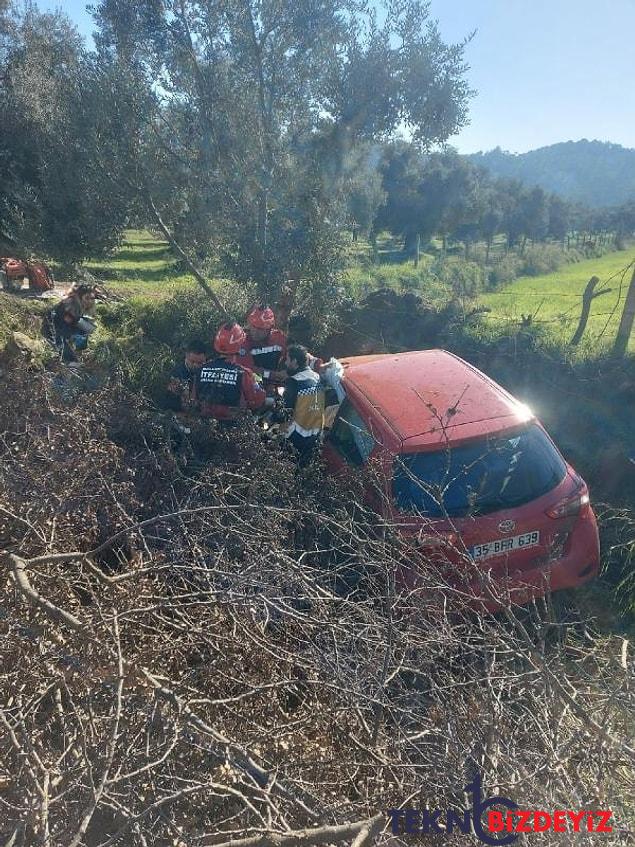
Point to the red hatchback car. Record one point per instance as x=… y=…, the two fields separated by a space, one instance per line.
x=467 y=470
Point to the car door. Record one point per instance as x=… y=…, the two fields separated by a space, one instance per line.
x=350 y=447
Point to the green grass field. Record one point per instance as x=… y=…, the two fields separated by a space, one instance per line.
x=555 y=300
x=142 y=266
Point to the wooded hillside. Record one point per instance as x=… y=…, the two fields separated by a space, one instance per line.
x=595 y=173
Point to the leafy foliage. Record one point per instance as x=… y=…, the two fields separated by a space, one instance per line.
x=55 y=198
x=247 y=117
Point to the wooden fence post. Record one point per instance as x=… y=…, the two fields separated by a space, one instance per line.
x=587 y=298
x=626 y=323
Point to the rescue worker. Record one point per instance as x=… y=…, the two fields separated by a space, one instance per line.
x=63 y=326
x=224 y=388
x=304 y=400
x=180 y=388
x=265 y=348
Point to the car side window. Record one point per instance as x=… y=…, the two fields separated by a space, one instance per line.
x=350 y=436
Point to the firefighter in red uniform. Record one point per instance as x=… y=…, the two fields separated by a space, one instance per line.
x=265 y=349
x=223 y=387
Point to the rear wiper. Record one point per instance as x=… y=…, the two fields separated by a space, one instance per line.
x=492 y=505
x=486 y=506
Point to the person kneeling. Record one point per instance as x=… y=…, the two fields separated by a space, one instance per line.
x=65 y=326
x=224 y=388
x=179 y=392
x=304 y=401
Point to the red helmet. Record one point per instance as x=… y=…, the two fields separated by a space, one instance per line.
x=229 y=339
x=261 y=317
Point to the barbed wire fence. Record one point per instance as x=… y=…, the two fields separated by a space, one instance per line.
x=561 y=318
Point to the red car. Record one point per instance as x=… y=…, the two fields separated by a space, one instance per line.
x=468 y=471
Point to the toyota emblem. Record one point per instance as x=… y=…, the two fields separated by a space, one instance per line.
x=507 y=526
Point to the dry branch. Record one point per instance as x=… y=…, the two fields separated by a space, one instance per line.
x=238 y=668
x=361 y=831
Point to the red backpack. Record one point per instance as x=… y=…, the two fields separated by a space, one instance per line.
x=40 y=277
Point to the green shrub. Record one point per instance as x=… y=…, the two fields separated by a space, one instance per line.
x=403 y=277
x=505 y=270
x=541 y=259
x=465 y=279
x=17 y=315
x=189 y=313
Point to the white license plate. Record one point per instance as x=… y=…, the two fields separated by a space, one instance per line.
x=505 y=545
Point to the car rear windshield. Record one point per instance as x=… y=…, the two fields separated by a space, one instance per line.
x=480 y=477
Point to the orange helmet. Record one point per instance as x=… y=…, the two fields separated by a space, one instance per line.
x=229 y=339
x=261 y=317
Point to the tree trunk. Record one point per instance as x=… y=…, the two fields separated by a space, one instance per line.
x=488 y=246
x=373 y=242
x=417 y=250
x=180 y=252
x=410 y=244
x=626 y=323
x=287 y=300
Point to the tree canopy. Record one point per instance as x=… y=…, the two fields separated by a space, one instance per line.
x=247 y=114
x=55 y=197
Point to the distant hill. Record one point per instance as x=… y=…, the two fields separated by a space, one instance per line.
x=595 y=173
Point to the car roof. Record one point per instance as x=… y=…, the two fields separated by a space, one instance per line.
x=428 y=398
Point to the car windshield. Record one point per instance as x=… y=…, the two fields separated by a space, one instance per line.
x=480 y=477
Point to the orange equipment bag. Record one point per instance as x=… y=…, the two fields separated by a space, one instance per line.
x=14 y=268
x=40 y=277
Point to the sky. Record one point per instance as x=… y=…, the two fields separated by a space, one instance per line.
x=544 y=70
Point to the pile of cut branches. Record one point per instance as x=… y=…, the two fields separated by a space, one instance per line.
x=203 y=646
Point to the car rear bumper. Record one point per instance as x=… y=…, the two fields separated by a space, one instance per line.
x=579 y=564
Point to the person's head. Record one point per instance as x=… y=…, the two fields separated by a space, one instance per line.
x=229 y=340
x=260 y=321
x=85 y=294
x=196 y=354
x=297 y=358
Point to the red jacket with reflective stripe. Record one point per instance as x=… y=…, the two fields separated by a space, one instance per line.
x=267 y=355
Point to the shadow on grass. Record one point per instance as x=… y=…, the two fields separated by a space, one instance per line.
x=171 y=273
x=104 y=273
x=393 y=257
x=144 y=253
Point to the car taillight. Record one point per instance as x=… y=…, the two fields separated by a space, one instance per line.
x=570 y=506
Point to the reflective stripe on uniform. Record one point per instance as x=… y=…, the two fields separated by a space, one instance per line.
x=260 y=351
x=305 y=433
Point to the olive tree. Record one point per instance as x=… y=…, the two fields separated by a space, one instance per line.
x=56 y=198
x=251 y=109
